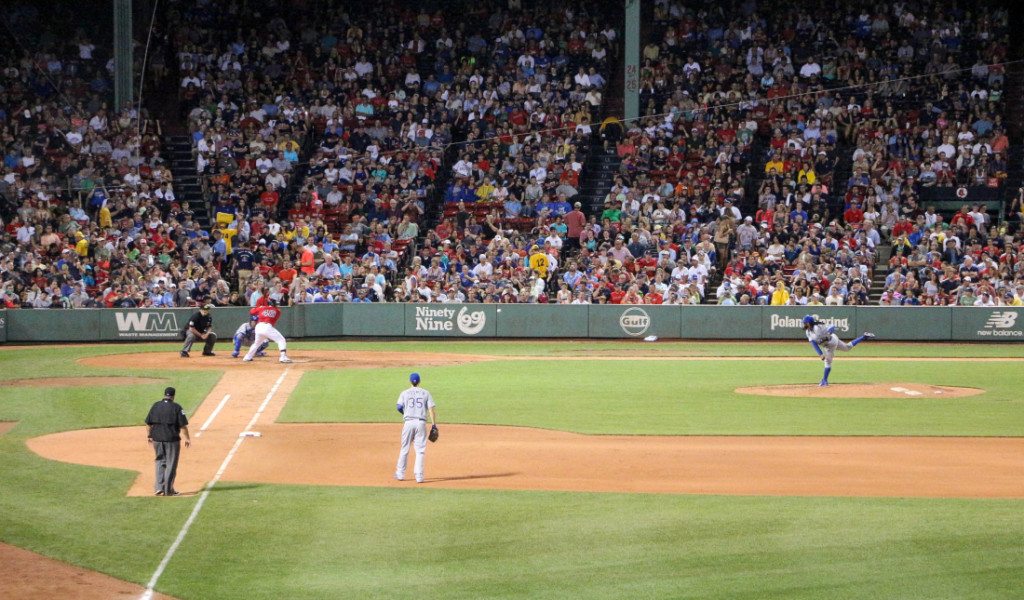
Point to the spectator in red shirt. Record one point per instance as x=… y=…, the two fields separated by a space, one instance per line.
x=269 y=198
x=575 y=221
x=962 y=218
x=854 y=215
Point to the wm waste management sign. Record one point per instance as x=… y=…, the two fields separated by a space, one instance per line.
x=451 y=320
x=1002 y=324
x=143 y=324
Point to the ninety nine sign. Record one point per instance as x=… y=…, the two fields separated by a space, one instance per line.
x=448 y=320
x=147 y=324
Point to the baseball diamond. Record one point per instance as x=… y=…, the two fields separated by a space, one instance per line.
x=324 y=423
x=579 y=299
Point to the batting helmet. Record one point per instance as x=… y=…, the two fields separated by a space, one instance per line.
x=253 y=317
x=414 y=378
x=808 y=320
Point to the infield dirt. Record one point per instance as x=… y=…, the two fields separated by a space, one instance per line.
x=474 y=456
x=29 y=576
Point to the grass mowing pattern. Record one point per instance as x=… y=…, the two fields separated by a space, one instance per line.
x=74 y=513
x=673 y=397
x=302 y=542
x=261 y=541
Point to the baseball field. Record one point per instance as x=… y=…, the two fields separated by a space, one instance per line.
x=564 y=470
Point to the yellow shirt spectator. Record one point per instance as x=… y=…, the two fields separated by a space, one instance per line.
x=780 y=297
x=228 y=235
x=809 y=174
x=778 y=165
x=539 y=263
x=106 y=221
x=483 y=193
x=82 y=247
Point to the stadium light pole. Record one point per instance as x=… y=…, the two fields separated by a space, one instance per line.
x=123 y=94
x=631 y=87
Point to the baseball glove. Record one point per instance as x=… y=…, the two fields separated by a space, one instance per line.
x=434 y=433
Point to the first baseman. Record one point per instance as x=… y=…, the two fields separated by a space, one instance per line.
x=246 y=335
x=415 y=404
x=825 y=342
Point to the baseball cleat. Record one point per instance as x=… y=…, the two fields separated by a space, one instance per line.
x=419 y=480
x=184 y=354
x=868 y=335
x=260 y=354
x=823 y=383
x=246 y=359
x=234 y=355
x=285 y=359
x=209 y=354
x=399 y=477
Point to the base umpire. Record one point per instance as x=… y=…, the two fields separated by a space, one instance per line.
x=167 y=424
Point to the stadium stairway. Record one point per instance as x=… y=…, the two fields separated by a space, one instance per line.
x=880 y=273
x=599 y=171
x=187 y=186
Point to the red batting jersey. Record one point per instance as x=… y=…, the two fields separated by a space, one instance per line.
x=266 y=314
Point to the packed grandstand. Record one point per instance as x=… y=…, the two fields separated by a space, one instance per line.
x=477 y=152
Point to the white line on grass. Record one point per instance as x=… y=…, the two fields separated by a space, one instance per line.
x=148 y=595
x=213 y=415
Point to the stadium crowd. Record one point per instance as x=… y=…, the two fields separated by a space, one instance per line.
x=323 y=140
x=810 y=85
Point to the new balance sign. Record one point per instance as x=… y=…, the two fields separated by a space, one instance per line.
x=1001 y=323
x=147 y=324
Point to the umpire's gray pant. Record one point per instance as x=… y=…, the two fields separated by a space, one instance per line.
x=191 y=338
x=166 y=465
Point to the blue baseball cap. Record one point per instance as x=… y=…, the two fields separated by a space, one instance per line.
x=253 y=317
x=414 y=378
x=808 y=320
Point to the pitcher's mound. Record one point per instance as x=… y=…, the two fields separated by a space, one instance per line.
x=862 y=390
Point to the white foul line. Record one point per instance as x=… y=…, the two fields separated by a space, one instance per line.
x=213 y=415
x=148 y=595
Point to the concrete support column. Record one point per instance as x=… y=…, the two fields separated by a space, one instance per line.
x=631 y=87
x=123 y=92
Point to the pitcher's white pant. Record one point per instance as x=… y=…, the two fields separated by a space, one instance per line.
x=413 y=432
x=264 y=332
x=833 y=344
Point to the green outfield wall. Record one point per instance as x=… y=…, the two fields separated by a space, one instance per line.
x=967 y=324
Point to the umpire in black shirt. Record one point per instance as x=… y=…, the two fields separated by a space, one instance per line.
x=167 y=424
x=199 y=328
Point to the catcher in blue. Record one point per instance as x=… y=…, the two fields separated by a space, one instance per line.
x=825 y=342
x=246 y=334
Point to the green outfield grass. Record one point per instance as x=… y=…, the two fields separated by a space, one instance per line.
x=267 y=541
x=675 y=397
